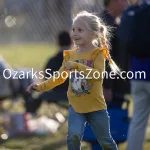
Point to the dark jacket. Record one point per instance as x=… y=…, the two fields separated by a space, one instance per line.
x=119 y=55
x=54 y=64
x=110 y=21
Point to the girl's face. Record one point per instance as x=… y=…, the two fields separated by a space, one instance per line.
x=81 y=34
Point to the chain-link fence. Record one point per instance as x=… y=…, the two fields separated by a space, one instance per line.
x=40 y=20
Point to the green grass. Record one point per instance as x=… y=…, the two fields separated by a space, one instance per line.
x=56 y=141
x=35 y=56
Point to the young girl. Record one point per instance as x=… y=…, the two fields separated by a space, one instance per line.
x=85 y=93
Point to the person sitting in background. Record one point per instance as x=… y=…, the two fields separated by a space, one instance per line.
x=53 y=64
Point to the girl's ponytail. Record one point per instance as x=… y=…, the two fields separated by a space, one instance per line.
x=102 y=40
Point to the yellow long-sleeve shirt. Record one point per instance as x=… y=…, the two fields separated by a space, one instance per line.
x=85 y=92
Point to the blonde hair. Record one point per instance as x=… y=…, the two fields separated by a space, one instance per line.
x=102 y=32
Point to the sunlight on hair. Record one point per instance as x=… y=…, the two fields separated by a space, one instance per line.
x=102 y=34
x=114 y=67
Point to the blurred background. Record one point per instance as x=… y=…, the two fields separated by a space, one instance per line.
x=29 y=38
x=41 y=21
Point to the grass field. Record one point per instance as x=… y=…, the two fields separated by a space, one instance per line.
x=34 y=56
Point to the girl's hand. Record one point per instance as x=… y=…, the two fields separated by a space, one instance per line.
x=71 y=65
x=31 y=87
x=68 y=65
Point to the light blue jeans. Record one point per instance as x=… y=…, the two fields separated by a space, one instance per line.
x=141 y=112
x=99 y=122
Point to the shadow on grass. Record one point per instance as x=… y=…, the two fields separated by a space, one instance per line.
x=54 y=146
x=148 y=140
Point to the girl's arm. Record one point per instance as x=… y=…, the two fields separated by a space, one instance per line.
x=97 y=72
x=54 y=81
x=58 y=78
